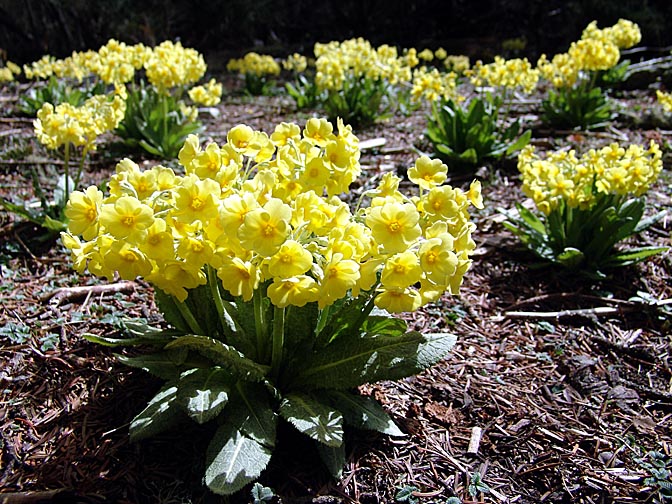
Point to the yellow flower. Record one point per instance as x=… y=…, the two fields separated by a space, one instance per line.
x=284 y=133
x=318 y=131
x=265 y=229
x=316 y=174
x=207 y=95
x=438 y=262
x=474 y=194
x=196 y=251
x=398 y=300
x=440 y=203
x=394 y=225
x=401 y=270
x=127 y=260
x=239 y=277
x=294 y=291
x=175 y=278
x=291 y=260
x=340 y=275
x=158 y=244
x=195 y=200
x=82 y=212
x=127 y=218
x=428 y=173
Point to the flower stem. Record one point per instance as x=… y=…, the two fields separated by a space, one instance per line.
x=81 y=167
x=66 y=169
x=190 y=319
x=259 y=324
x=278 y=341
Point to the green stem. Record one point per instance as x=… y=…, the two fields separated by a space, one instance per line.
x=278 y=341
x=216 y=295
x=80 y=168
x=259 y=324
x=66 y=169
x=224 y=310
x=164 y=118
x=190 y=319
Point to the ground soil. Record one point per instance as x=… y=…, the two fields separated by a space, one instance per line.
x=558 y=389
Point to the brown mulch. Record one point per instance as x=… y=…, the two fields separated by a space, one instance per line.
x=558 y=388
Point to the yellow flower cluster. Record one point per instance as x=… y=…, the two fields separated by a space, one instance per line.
x=598 y=49
x=254 y=63
x=579 y=181
x=433 y=85
x=295 y=63
x=172 y=65
x=594 y=54
x=665 y=99
x=209 y=94
x=80 y=126
x=515 y=73
x=358 y=58
x=166 y=65
x=623 y=34
x=8 y=72
x=262 y=212
x=115 y=62
x=562 y=71
x=458 y=64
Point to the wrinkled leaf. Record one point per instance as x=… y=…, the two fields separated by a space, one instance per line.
x=203 y=393
x=346 y=363
x=363 y=412
x=160 y=414
x=222 y=354
x=313 y=418
x=233 y=460
x=333 y=458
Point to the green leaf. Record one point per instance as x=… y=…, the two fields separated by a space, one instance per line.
x=333 y=458
x=363 y=412
x=313 y=418
x=164 y=364
x=160 y=414
x=632 y=256
x=346 y=363
x=645 y=224
x=203 y=393
x=405 y=494
x=222 y=354
x=54 y=224
x=344 y=317
x=233 y=460
x=522 y=141
x=261 y=493
x=250 y=408
x=167 y=306
x=379 y=325
x=571 y=257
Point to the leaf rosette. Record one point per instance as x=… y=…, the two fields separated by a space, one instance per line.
x=280 y=296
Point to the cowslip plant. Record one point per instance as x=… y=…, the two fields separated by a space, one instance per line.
x=577 y=100
x=465 y=136
x=278 y=293
x=157 y=119
x=358 y=79
x=71 y=128
x=303 y=90
x=56 y=91
x=258 y=70
x=156 y=122
x=468 y=135
x=587 y=205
